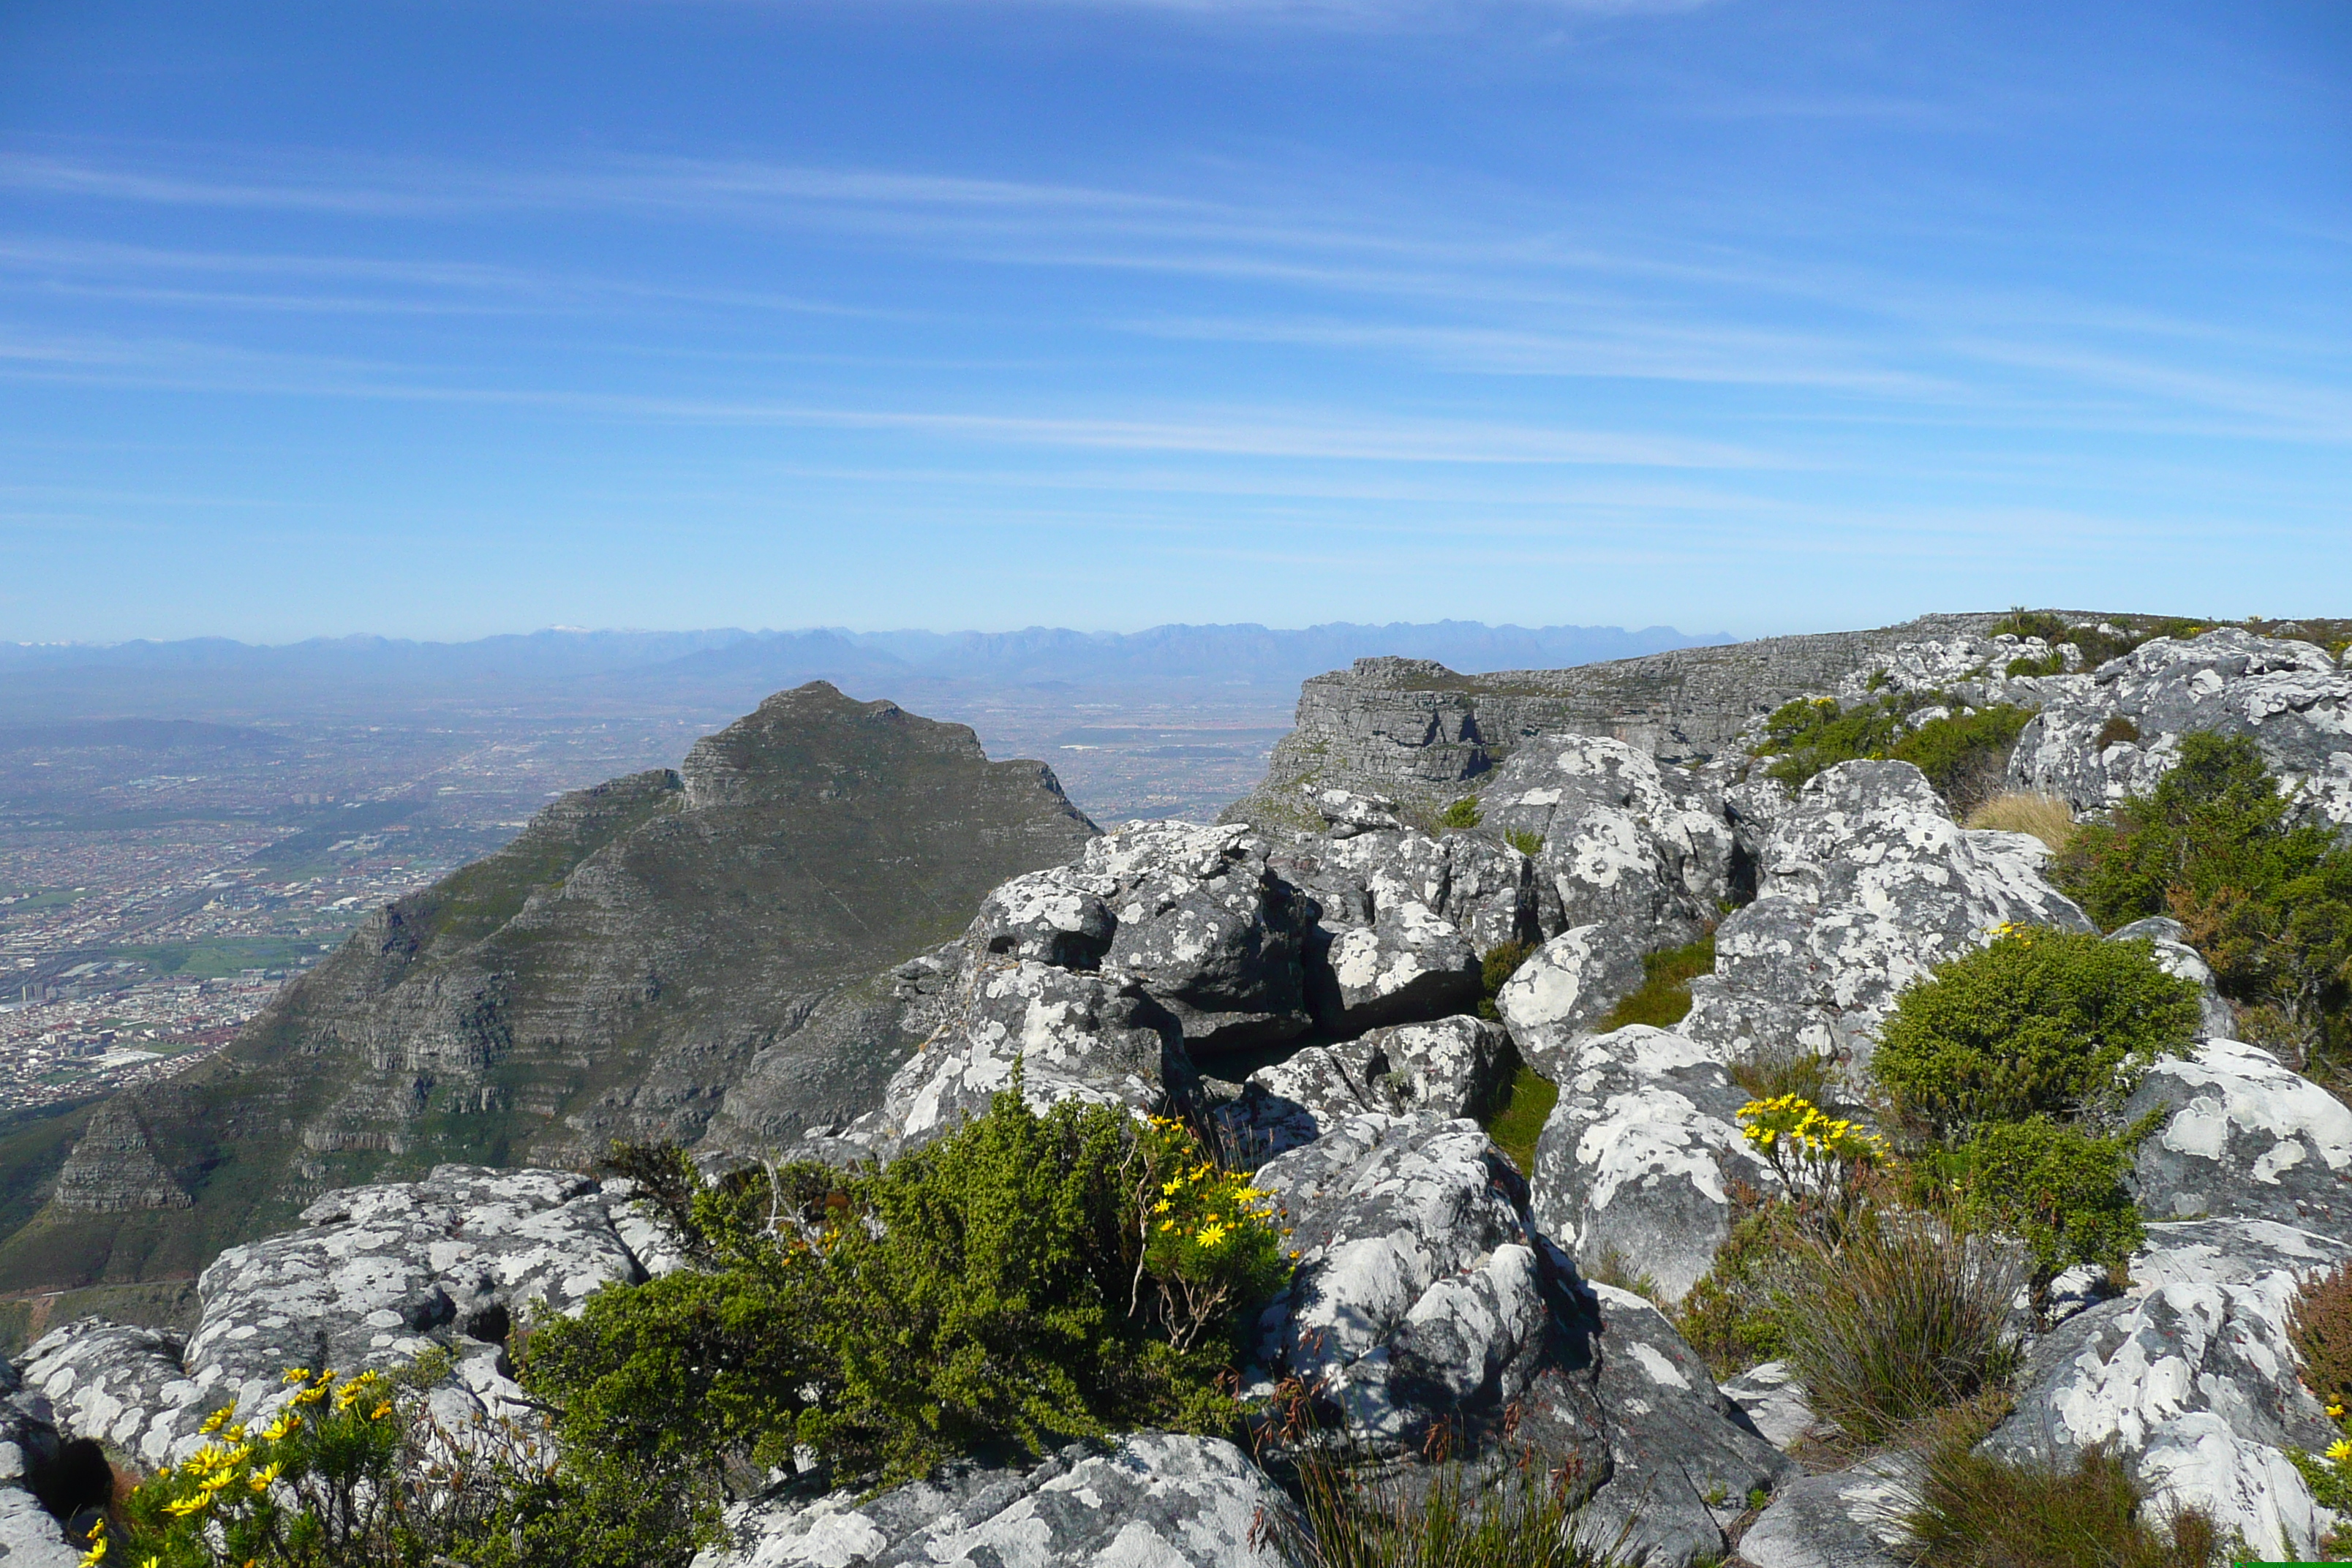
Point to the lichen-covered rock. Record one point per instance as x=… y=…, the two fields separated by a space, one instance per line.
x=1419 y=1286
x=2167 y=943
x=1425 y=1297
x=2290 y=697
x=1866 y=884
x=1154 y=1498
x=2190 y=1378
x=375 y=1275
x=1564 y=988
x=1638 y=1156
x=2242 y=1137
x=1086 y=1036
x=29 y=1536
x=1193 y=916
x=1774 y=1400
x=1626 y=842
x=1453 y=1067
x=1486 y=890
x=1847 y=1519
x=1407 y=961
x=1683 y=1457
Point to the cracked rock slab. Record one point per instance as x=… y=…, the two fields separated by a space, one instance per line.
x=1152 y=1500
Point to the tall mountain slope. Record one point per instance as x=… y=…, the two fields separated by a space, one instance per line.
x=608 y=974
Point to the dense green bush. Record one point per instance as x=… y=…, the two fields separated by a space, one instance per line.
x=1963 y=754
x=2269 y=904
x=2040 y=1023
x=1031 y=1278
x=1977 y=1510
x=1461 y=815
x=2057 y=1188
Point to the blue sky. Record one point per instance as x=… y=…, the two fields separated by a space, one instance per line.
x=441 y=320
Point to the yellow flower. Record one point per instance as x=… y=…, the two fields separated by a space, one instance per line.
x=1160 y=1207
x=2341 y=1450
x=2335 y=1412
x=380 y=1411
x=1212 y=1234
x=96 y=1551
x=295 y=1374
x=312 y=1394
x=195 y=1502
x=216 y=1420
x=1166 y=1225
x=259 y=1481
x=287 y=1422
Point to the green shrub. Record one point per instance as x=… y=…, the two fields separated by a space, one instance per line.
x=1963 y=754
x=1771 y=1074
x=356 y=1471
x=1526 y=840
x=2116 y=731
x=1495 y=969
x=2040 y=1023
x=2060 y=1190
x=1907 y=1315
x=1518 y=1117
x=1823 y=1161
x=1735 y=1315
x=1462 y=814
x=1977 y=1510
x=1663 y=998
x=2267 y=904
x=2319 y=1325
x=1029 y=1279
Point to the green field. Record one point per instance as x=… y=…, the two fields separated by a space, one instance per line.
x=221 y=960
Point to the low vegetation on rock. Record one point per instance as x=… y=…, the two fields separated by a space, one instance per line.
x=1963 y=753
x=2267 y=901
x=1977 y=1510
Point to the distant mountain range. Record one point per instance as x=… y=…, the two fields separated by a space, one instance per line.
x=44 y=680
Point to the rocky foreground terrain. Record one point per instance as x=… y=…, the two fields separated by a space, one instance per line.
x=1307 y=975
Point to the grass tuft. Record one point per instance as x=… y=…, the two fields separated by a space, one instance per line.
x=1664 y=999
x=1905 y=1317
x=1519 y=1116
x=2045 y=816
x=1976 y=1511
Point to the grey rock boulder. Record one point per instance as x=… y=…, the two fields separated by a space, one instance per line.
x=1683 y=1457
x=1453 y=1066
x=1153 y=1498
x=1419 y=1288
x=374 y=1276
x=1094 y=1036
x=1625 y=841
x=1565 y=987
x=2242 y=1137
x=1774 y=1400
x=1193 y=916
x=2190 y=1378
x=1867 y=883
x=29 y=1536
x=2290 y=697
x=1638 y=1157
x=1847 y=1519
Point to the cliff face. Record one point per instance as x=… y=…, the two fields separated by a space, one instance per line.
x=607 y=974
x=1414 y=729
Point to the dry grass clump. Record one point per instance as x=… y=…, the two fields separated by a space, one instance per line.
x=1975 y=1511
x=1907 y=1315
x=2320 y=1324
x=2045 y=816
x=1369 y=1516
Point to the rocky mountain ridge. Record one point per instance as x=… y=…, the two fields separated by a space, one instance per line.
x=611 y=973
x=1307 y=984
